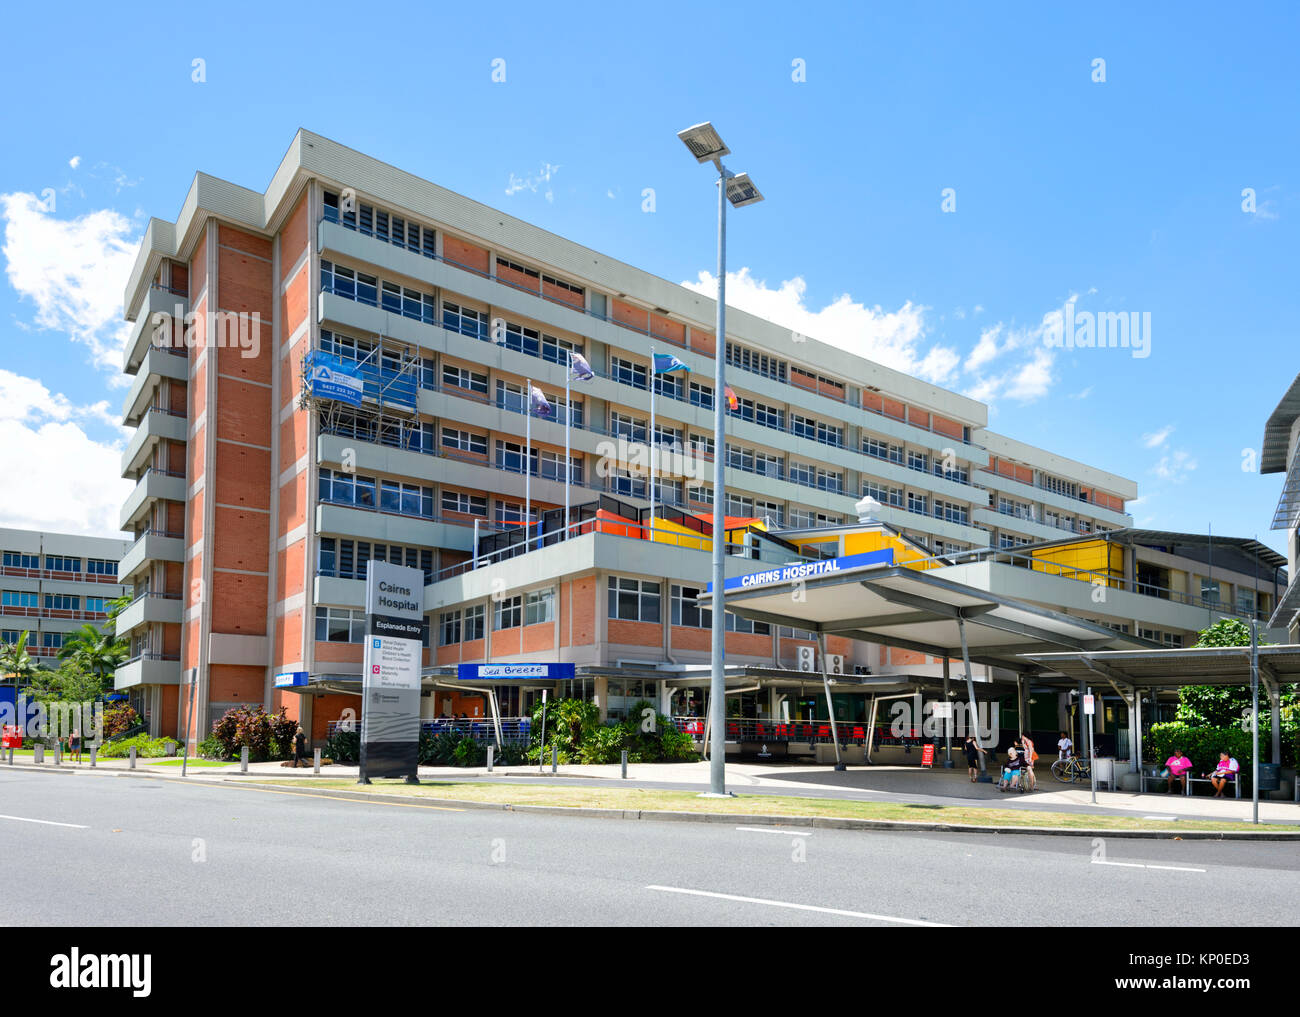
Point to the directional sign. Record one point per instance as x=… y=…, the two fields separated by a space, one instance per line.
x=514 y=672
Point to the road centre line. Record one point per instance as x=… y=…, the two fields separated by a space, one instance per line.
x=796 y=907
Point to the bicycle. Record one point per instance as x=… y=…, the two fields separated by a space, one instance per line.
x=1072 y=770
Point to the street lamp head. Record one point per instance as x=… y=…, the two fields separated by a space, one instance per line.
x=703 y=142
x=741 y=191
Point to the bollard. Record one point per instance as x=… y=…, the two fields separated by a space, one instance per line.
x=38 y=753
x=490 y=750
x=315 y=753
x=132 y=751
x=243 y=759
x=555 y=758
x=58 y=755
x=625 y=764
x=94 y=754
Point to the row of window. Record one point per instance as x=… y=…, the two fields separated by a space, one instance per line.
x=347 y=559
x=382 y=224
x=59 y=563
x=49 y=640
x=53 y=601
x=342 y=488
x=344 y=625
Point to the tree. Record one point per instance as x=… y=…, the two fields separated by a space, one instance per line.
x=16 y=662
x=1222 y=705
x=96 y=652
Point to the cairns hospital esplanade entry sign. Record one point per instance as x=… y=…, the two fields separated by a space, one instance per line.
x=390 y=680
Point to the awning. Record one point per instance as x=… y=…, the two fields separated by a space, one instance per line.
x=1171 y=669
x=915 y=610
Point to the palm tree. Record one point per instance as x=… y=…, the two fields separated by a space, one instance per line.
x=96 y=651
x=16 y=662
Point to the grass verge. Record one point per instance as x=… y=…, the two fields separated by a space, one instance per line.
x=637 y=799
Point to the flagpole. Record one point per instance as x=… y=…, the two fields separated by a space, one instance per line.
x=651 y=436
x=528 y=464
x=568 y=459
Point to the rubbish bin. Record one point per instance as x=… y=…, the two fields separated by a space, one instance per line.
x=1270 y=776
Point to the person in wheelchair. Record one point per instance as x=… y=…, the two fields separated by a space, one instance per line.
x=1011 y=770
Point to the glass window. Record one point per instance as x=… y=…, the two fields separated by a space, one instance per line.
x=507 y=613
x=539 y=606
x=474 y=617
x=633 y=599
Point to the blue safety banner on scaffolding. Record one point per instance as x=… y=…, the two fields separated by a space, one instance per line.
x=334 y=378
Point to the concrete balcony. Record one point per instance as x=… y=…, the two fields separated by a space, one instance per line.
x=155 y=426
x=1062 y=503
x=387 y=528
x=153 y=545
x=149 y=608
x=157 y=366
x=154 y=486
x=148 y=669
x=156 y=301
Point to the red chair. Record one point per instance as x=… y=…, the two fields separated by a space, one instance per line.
x=782 y=731
x=858 y=734
x=762 y=731
x=824 y=731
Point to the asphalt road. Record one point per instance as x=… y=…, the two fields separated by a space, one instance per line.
x=153 y=852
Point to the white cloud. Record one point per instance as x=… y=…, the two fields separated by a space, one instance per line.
x=75 y=161
x=896 y=339
x=73 y=271
x=1157 y=439
x=985 y=350
x=1083 y=394
x=1174 y=466
x=61 y=478
x=534 y=183
x=1027 y=370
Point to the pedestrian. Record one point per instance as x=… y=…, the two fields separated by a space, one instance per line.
x=74 y=745
x=1176 y=768
x=1031 y=757
x=973 y=753
x=299 y=747
x=1064 y=747
x=1011 y=770
x=1223 y=774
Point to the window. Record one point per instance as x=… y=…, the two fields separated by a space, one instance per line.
x=101 y=567
x=671 y=385
x=531 y=273
x=464 y=320
x=621 y=481
x=882 y=493
x=474 y=618
x=951 y=512
x=508 y=513
x=737 y=505
x=342 y=488
x=557 y=350
x=507 y=613
x=701 y=395
x=1058 y=485
x=464 y=441
x=18 y=598
x=522 y=339
x=686 y=612
x=759 y=363
x=18 y=560
x=917 y=503
x=918 y=461
x=539 y=606
x=510 y=456
x=466 y=504
x=1209 y=591
x=623 y=426
x=95 y=605
x=406 y=499
x=627 y=373
x=882 y=450
x=803 y=473
x=52 y=640
x=62 y=602
x=560 y=284
x=340 y=625
x=550 y=465
x=462 y=377
x=448 y=628
x=62 y=563
x=510 y=396
x=1245 y=601
x=739 y=458
x=633 y=599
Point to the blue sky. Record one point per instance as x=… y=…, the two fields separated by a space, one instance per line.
x=1125 y=194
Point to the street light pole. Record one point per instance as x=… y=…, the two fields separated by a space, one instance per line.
x=718 y=674
x=704 y=143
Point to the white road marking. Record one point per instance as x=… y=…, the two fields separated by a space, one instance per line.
x=1171 y=818
x=791 y=832
x=797 y=907
x=45 y=822
x=1137 y=865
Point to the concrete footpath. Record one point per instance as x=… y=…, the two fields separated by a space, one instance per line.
x=899 y=784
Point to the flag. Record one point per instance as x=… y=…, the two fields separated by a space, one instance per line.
x=665 y=362
x=581 y=369
x=538 y=402
x=733 y=403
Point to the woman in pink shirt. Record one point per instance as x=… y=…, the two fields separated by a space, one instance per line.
x=1177 y=767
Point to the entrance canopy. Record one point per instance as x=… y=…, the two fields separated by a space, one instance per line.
x=876 y=601
x=1171 y=669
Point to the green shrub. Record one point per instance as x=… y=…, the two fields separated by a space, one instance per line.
x=468 y=752
x=145 y=747
x=1201 y=745
x=211 y=748
x=268 y=736
x=119 y=718
x=343 y=747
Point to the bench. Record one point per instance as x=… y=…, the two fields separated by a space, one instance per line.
x=1236 y=784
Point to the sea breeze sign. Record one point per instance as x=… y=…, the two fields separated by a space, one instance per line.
x=390 y=678
x=290 y=679
x=514 y=672
x=805 y=570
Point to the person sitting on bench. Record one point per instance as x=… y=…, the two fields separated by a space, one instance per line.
x=1177 y=767
x=1224 y=774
